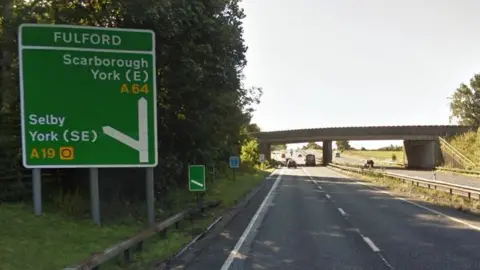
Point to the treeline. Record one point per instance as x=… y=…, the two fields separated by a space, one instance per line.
x=204 y=110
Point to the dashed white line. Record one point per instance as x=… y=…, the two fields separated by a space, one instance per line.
x=319 y=187
x=342 y=212
x=371 y=244
x=417 y=205
x=328 y=196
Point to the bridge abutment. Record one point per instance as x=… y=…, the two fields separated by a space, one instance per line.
x=423 y=154
x=264 y=148
x=327 y=152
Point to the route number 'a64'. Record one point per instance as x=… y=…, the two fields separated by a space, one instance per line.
x=134 y=88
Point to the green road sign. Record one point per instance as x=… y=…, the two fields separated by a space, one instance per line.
x=196 y=178
x=88 y=96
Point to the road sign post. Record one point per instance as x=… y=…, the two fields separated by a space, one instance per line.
x=95 y=104
x=94 y=195
x=196 y=178
x=234 y=164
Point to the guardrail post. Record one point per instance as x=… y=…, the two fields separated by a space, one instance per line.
x=140 y=246
x=163 y=233
x=127 y=255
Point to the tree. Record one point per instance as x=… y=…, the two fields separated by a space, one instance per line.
x=279 y=147
x=204 y=110
x=343 y=145
x=391 y=148
x=249 y=153
x=465 y=103
x=312 y=146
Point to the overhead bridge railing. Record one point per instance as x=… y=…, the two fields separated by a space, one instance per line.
x=456 y=189
x=459 y=157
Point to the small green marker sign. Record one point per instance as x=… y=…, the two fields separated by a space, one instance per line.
x=196 y=178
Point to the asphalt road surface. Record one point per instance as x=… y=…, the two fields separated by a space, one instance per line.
x=315 y=218
x=470 y=181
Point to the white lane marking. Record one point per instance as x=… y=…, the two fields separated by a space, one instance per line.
x=319 y=187
x=328 y=196
x=422 y=206
x=306 y=172
x=342 y=212
x=371 y=244
x=234 y=253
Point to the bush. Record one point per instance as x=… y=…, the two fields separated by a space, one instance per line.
x=394 y=157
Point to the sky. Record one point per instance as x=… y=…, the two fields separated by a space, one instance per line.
x=325 y=63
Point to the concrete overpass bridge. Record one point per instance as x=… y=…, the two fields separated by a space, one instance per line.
x=420 y=142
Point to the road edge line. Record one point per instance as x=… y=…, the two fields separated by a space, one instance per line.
x=228 y=262
x=227 y=216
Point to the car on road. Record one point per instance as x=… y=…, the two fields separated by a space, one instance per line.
x=337 y=154
x=310 y=160
x=291 y=164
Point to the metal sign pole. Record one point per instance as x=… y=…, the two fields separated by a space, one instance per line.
x=94 y=195
x=37 y=191
x=150 y=191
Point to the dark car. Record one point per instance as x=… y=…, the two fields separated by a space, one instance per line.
x=310 y=160
x=291 y=164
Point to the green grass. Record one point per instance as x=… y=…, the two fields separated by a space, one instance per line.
x=377 y=155
x=51 y=241
x=465 y=144
x=54 y=241
x=422 y=193
x=224 y=189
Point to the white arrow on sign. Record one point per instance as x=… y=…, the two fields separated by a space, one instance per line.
x=141 y=145
x=196 y=183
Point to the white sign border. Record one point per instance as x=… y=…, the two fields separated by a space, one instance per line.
x=22 y=103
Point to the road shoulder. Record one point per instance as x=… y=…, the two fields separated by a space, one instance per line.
x=212 y=248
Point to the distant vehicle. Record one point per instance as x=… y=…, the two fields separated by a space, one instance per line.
x=337 y=154
x=310 y=160
x=291 y=164
x=300 y=155
x=283 y=155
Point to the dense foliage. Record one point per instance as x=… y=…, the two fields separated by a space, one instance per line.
x=204 y=110
x=465 y=103
x=312 y=146
x=279 y=147
x=391 y=148
x=343 y=145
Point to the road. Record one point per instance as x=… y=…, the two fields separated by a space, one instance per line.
x=470 y=181
x=314 y=218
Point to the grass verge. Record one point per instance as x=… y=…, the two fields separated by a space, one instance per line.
x=54 y=241
x=378 y=155
x=51 y=241
x=429 y=195
x=224 y=189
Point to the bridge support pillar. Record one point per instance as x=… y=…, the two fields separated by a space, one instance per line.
x=264 y=148
x=423 y=154
x=327 y=152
